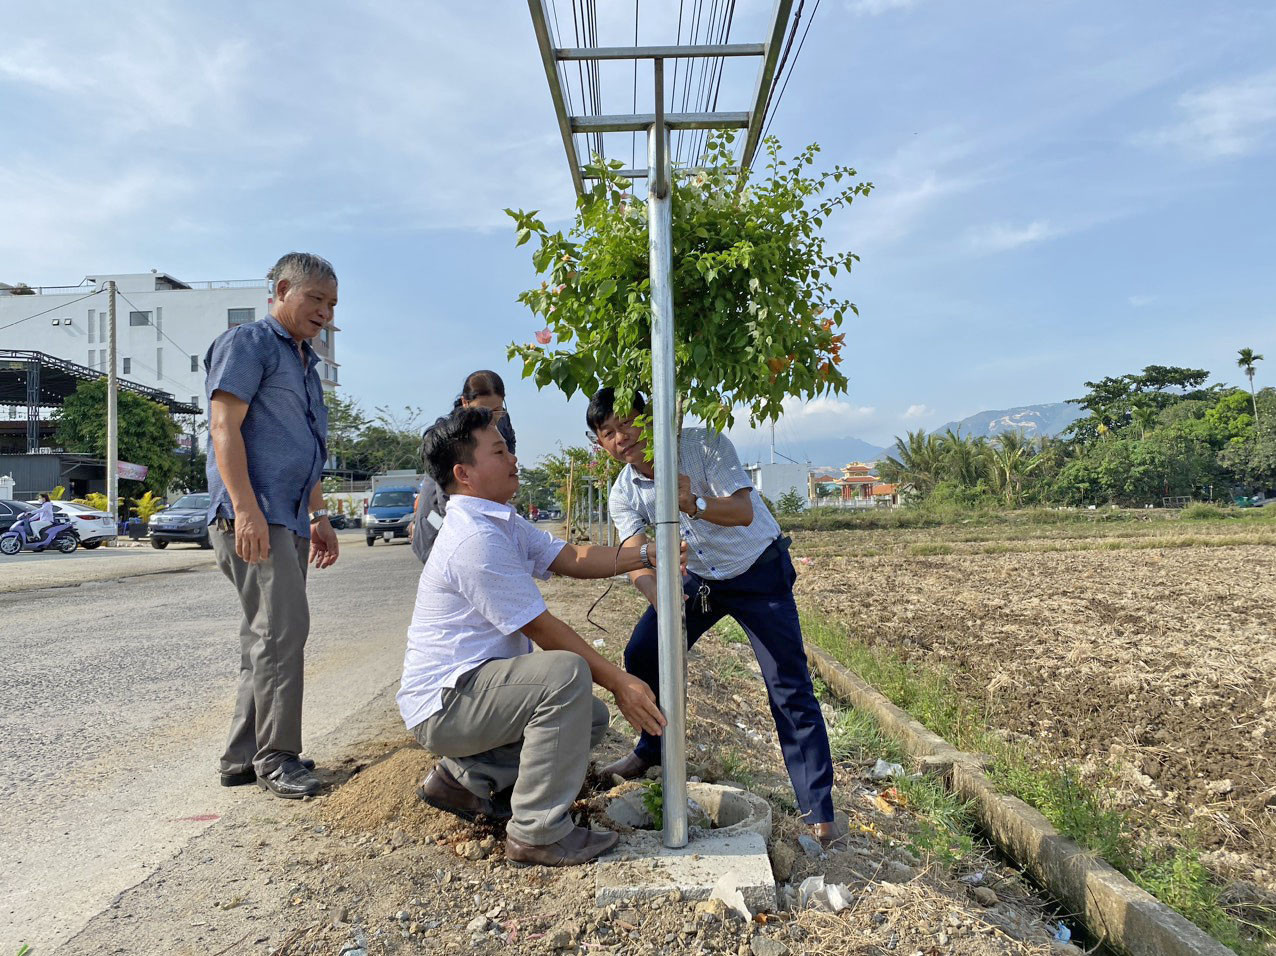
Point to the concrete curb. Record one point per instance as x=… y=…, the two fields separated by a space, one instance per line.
x=1115 y=910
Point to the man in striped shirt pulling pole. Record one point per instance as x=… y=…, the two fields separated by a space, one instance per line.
x=739 y=567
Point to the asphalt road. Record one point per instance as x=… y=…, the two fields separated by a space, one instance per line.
x=117 y=681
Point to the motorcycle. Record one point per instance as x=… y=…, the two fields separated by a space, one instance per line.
x=59 y=536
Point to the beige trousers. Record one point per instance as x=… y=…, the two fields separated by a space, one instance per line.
x=528 y=722
x=266 y=727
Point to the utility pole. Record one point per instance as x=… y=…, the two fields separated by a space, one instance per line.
x=773 y=443
x=112 y=416
x=669 y=626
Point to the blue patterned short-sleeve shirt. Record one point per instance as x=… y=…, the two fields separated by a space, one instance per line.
x=286 y=429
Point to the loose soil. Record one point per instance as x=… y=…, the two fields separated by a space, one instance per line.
x=368 y=869
x=1152 y=670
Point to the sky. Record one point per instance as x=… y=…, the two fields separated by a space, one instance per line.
x=1065 y=189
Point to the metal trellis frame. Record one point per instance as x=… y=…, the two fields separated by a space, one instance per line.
x=671 y=627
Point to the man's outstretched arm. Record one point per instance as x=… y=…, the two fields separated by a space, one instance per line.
x=634 y=698
x=598 y=561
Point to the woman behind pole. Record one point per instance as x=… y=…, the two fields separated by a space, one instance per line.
x=485 y=389
x=481 y=389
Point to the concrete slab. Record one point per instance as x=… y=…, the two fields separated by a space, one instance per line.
x=642 y=867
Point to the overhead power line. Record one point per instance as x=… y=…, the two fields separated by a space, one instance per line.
x=814 y=10
x=47 y=311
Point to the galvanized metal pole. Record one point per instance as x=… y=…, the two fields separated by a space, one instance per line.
x=670 y=621
x=112 y=415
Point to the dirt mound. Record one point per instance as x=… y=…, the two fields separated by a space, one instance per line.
x=383 y=794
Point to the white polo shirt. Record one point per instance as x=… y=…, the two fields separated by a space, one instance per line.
x=475 y=594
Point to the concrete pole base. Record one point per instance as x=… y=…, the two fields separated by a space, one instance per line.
x=642 y=867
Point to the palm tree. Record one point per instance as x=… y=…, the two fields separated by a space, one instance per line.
x=1246 y=361
x=918 y=461
x=1010 y=461
x=963 y=458
x=1143 y=416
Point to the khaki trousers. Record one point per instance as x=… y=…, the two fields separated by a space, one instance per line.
x=266 y=727
x=527 y=722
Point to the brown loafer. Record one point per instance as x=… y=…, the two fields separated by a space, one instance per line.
x=828 y=833
x=628 y=767
x=579 y=846
x=441 y=791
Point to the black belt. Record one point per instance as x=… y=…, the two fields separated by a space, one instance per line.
x=773 y=552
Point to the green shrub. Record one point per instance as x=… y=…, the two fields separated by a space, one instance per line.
x=1207 y=511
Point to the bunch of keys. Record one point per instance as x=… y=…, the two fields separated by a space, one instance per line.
x=703 y=595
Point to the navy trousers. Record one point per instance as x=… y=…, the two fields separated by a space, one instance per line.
x=761 y=602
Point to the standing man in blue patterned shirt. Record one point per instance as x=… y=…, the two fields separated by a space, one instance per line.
x=269 y=429
x=739 y=567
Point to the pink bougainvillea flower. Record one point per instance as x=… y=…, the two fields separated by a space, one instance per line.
x=544 y=336
x=558 y=289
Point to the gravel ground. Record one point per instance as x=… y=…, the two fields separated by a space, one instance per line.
x=118 y=693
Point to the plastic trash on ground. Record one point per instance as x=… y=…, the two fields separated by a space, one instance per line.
x=830 y=897
x=1062 y=934
x=727 y=889
x=884 y=771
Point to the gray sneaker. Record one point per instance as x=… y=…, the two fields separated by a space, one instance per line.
x=291 y=780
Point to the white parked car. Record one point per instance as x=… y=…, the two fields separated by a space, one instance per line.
x=92 y=527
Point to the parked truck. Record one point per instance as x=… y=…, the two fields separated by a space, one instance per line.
x=388 y=513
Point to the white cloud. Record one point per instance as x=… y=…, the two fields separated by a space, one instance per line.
x=30 y=62
x=1001 y=237
x=918 y=411
x=1229 y=119
x=871 y=8
x=827 y=408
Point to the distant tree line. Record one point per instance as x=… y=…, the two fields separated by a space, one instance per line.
x=1145 y=436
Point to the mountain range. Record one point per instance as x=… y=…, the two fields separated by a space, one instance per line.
x=1033 y=420
x=829 y=453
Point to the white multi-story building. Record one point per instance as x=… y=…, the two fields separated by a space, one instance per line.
x=163 y=326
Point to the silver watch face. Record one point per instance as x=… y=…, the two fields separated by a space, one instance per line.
x=701 y=505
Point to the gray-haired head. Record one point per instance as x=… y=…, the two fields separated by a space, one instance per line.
x=298 y=267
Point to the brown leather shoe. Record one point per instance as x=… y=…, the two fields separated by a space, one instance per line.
x=441 y=791
x=628 y=767
x=828 y=833
x=579 y=846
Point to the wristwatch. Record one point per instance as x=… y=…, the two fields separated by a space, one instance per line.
x=701 y=505
x=645 y=558
x=316 y=515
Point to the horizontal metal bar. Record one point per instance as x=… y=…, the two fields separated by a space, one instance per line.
x=686 y=171
x=640 y=121
x=659 y=52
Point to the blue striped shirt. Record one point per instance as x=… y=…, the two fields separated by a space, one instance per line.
x=286 y=428
x=710 y=461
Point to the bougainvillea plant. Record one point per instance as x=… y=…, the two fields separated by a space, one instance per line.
x=755 y=316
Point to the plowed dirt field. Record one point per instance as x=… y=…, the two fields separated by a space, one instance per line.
x=1145 y=655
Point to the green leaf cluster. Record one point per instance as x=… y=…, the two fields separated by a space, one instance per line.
x=147 y=434
x=755 y=313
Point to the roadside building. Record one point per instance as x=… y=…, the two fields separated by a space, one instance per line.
x=163 y=327
x=776 y=479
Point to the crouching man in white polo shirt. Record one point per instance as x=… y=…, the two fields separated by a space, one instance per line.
x=513 y=728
